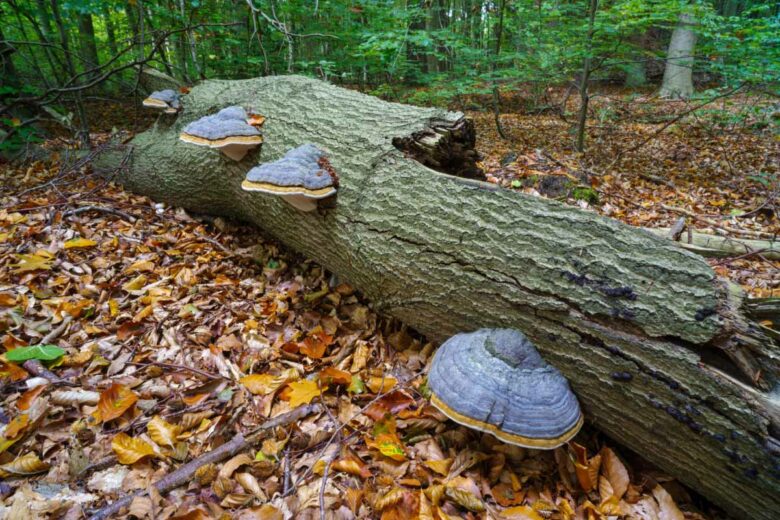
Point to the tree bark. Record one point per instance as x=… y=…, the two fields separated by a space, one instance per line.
x=652 y=342
x=88 y=47
x=678 y=74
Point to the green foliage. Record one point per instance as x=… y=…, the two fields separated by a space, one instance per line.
x=449 y=47
x=587 y=194
x=39 y=352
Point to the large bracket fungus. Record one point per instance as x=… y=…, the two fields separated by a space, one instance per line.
x=495 y=381
x=165 y=100
x=228 y=131
x=301 y=177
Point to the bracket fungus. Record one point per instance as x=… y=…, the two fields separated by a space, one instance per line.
x=301 y=177
x=228 y=131
x=165 y=100
x=495 y=381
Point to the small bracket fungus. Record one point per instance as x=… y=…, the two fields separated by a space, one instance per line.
x=495 y=381
x=227 y=130
x=165 y=100
x=301 y=177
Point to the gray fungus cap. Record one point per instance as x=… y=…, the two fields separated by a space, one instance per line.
x=300 y=171
x=495 y=381
x=165 y=99
x=234 y=112
x=213 y=128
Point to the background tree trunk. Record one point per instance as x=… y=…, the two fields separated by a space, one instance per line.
x=678 y=74
x=88 y=48
x=445 y=254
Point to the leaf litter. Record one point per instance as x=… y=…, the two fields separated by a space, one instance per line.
x=175 y=334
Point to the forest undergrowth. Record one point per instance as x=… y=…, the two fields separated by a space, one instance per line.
x=154 y=336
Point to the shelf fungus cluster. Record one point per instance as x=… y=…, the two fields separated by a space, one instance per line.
x=300 y=178
x=229 y=130
x=165 y=100
x=494 y=380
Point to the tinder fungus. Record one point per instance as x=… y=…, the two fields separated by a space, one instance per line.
x=228 y=131
x=165 y=100
x=300 y=178
x=495 y=381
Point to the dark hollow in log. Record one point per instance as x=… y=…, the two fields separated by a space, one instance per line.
x=445 y=254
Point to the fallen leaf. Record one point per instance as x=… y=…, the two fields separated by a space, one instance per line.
x=23 y=466
x=114 y=401
x=29 y=396
x=303 y=392
x=130 y=450
x=79 y=243
x=39 y=352
x=615 y=472
x=163 y=432
x=17 y=425
x=668 y=509
x=521 y=513
x=34 y=262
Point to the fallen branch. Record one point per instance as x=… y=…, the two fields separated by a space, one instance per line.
x=37 y=369
x=712 y=223
x=100 y=209
x=184 y=473
x=715 y=246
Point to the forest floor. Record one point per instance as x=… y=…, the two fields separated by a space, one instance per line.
x=179 y=332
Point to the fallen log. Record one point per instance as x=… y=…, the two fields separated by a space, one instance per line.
x=655 y=346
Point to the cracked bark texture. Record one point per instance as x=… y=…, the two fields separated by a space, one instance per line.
x=642 y=329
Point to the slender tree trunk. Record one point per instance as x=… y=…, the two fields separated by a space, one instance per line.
x=83 y=131
x=636 y=71
x=110 y=31
x=8 y=74
x=678 y=74
x=493 y=67
x=88 y=48
x=586 y=70
x=444 y=254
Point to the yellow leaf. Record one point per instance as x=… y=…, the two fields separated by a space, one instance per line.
x=24 y=465
x=4 y=237
x=113 y=307
x=262 y=384
x=303 y=392
x=129 y=450
x=465 y=499
x=381 y=384
x=140 y=266
x=136 y=283
x=79 y=243
x=442 y=467
x=163 y=432
x=17 y=425
x=33 y=262
x=521 y=513
x=388 y=445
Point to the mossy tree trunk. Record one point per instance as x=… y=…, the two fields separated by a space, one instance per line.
x=447 y=254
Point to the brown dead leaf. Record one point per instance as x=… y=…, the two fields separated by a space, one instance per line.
x=114 y=401
x=28 y=397
x=668 y=510
x=615 y=472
